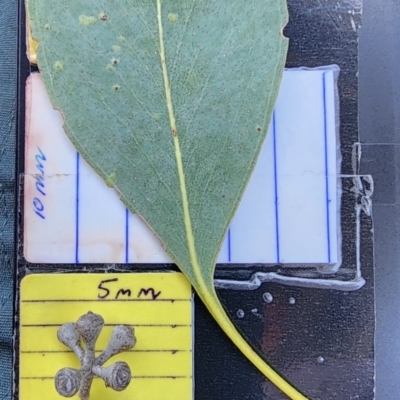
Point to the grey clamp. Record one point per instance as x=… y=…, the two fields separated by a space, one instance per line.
x=69 y=381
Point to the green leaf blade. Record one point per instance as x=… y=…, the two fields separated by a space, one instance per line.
x=170 y=103
x=222 y=59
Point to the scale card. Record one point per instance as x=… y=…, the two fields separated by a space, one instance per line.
x=72 y=216
x=158 y=305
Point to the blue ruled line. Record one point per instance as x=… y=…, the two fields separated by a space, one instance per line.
x=229 y=244
x=126 y=236
x=77 y=211
x=278 y=257
x=328 y=227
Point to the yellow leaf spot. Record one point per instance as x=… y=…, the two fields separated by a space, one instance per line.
x=121 y=38
x=58 y=66
x=111 y=179
x=173 y=17
x=116 y=48
x=87 y=20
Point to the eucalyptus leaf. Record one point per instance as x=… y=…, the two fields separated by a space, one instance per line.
x=170 y=102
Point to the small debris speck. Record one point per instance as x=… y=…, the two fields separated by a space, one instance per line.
x=58 y=66
x=292 y=300
x=87 y=20
x=267 y=297
x=103 y=16
x=47 y=27
x=173 y=17
x=240 y=313
x=320 y=359
x=116 y=88
x=114 y=61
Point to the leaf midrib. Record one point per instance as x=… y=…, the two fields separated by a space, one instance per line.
x=178 y=155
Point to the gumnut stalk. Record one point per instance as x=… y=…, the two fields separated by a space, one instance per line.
x=70 y=381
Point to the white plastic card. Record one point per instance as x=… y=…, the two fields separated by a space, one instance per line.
x=289 y=213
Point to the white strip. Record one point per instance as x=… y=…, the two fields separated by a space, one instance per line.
x=94 y=227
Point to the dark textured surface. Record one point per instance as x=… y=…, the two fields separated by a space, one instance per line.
x=324 y=32
x=380 y=135
x=8 y=101
x=380 y=73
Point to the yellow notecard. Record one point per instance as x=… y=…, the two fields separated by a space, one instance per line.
x=158 y=305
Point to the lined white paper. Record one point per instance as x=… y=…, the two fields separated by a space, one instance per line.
x=288 y=214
